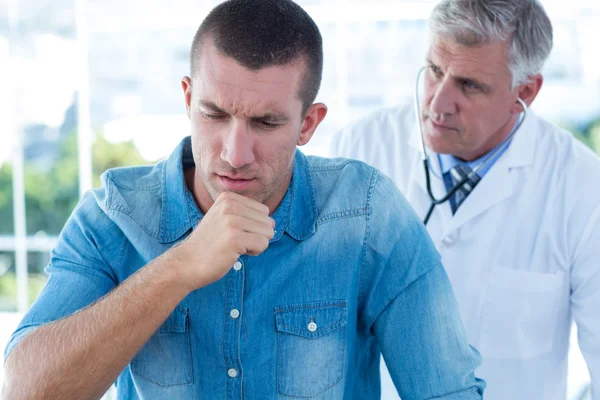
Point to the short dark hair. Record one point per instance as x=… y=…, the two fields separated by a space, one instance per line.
x=264 y=33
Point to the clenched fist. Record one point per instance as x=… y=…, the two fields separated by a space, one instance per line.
x=235 y=225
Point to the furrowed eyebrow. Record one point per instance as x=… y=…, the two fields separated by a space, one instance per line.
x=273 y=117
x=268 y=116
x=210 y=106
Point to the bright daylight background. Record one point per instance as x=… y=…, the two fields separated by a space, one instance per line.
x=86 y=85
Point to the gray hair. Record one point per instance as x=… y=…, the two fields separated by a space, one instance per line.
x=522 y=24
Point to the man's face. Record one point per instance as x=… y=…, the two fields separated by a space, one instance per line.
x=245 y=126
x=468 y=99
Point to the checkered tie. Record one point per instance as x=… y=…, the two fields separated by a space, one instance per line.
x=454 y=176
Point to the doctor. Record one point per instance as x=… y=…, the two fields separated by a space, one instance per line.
x=522 y=248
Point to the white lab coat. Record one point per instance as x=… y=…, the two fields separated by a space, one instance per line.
x=522 y=251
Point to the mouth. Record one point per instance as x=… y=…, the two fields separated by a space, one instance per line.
x=440 y=127
x=235 y=183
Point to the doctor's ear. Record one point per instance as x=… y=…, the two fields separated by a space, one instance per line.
x=527 y=92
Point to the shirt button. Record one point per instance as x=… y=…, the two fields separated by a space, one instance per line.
x=312 y=326
x=237 y=266
x=232 y=372
x=234 y=313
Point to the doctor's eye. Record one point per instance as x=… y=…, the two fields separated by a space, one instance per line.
x=470 y=85
x=436 y=71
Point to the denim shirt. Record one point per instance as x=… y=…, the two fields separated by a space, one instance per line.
x=349 y=275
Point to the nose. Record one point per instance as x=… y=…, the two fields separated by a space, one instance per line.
x=238 y=146
x=443 y=99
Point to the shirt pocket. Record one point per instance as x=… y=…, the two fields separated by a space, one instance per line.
x=166 y=358
x=520 y=313
x=311 y=344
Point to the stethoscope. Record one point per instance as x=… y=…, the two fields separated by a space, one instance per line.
x=474 y=171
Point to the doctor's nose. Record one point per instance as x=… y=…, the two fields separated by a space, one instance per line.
x=443 y=101
x=238 y=146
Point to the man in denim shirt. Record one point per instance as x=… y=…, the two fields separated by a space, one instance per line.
x=240 y=268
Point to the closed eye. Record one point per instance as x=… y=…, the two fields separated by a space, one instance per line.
x=266 y=124
x=212 y=117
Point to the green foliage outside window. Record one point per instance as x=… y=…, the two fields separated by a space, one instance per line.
x=51 y=194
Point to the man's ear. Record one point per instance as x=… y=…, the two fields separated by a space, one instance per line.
x=313 y=117
x=186 y=85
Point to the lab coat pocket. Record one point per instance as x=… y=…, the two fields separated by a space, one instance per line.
x=311 y=343
x=520 y=313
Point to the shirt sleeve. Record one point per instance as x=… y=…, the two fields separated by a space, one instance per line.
x=410 y=307
x=79 y=272
x=424 y=343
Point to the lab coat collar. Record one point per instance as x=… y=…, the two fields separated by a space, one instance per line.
x=522 y=149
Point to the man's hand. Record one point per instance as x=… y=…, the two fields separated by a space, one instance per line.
x=235 y=225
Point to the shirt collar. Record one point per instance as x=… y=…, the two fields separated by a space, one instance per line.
x=179 y=210
x=296 y=213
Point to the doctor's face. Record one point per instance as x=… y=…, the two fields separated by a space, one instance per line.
x=245 y=126
x=469 y=106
